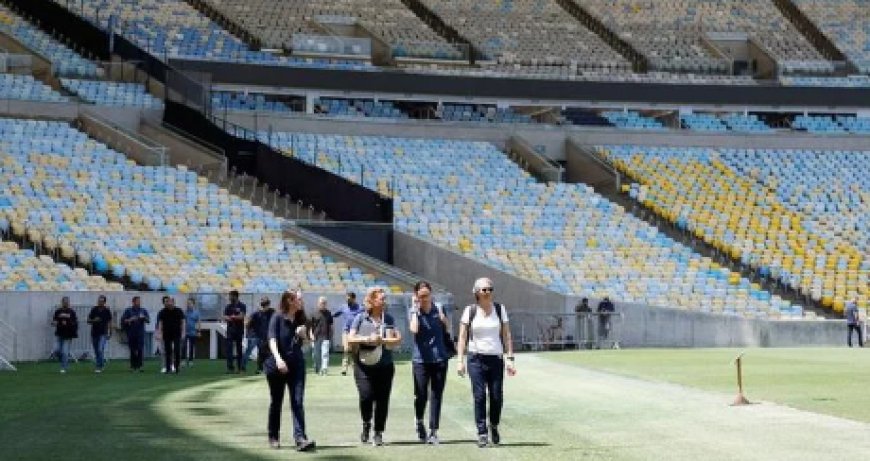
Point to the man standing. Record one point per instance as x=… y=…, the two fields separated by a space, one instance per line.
x=605 y=311
x=321 y=330
x=191 y=327
x=133 y=320
x=350 y=311
x=258 y=332
x=234 y=316
x=853 y=323
x=66 y=328
x=170 y=324
x=100 y=319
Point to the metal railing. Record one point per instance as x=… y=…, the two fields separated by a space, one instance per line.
x=141 y=149
x=553 y=331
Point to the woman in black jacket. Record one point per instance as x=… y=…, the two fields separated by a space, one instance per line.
x=285 y=367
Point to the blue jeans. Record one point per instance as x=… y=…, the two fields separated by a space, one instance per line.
x=294 y=382
x=252 y=343
x=99 y=343
x=320 y=355
x=487 y=377
x=62 y=349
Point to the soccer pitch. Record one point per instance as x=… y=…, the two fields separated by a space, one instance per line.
x=596 y=405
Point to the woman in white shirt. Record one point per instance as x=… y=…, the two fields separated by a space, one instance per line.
x=485 y=334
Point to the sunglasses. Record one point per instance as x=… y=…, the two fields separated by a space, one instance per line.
x=486 y=290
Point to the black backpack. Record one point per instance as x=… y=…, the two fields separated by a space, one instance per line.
x=473 y=312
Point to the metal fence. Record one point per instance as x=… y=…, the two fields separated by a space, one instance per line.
x=541 y=332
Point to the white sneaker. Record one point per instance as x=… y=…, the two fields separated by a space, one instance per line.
x=163 y=370
x=172 y=369
x=62 y=371
x=98 y=371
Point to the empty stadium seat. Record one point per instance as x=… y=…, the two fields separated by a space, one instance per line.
x=799 y=217
x=165 y=228
x=566 y=237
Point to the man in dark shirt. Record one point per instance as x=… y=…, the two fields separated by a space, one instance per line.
x=321 y=330
x=66 y=328
x=258 y=330
x=605 y=311
x=170 y=324
x=133 y=321
x=234 y=316
x=100 y=319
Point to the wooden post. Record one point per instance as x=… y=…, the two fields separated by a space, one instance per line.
x=741 y=398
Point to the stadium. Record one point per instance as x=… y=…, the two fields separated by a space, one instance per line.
x=670 y=198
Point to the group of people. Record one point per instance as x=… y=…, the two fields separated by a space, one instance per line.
x=372 y=335
x=174 y=328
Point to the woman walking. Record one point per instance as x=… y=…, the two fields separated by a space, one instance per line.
x=429 y=325
x=484 y=330
x=285 y=368
x=374 y=334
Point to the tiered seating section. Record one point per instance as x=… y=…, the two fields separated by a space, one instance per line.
x=163 y=227
x=852 y=81
x=173 y=28
x=529 y=35
x=669 y=33
x=474 y=200
x=25 y=87
x=827 y=124
x=799 y=217
x=222 y=100
x=275 y=22
x=358 y=108
x=64 y=60
x=632 y=120
x=481 y=113
x=104 y=93
x=22 y=270
x=845 y=23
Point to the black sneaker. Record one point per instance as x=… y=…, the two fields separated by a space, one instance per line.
x=482 y=441
x=421 y=431
x=496 y=437
x=378 y=439
x=433 y=439
x=304 y=444
x=364 y=437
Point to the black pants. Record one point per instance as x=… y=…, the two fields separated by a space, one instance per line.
x=374 y=385
x=487 y=376
x=857 y=329
x=137 y=347
x=234 y=344
x=171 y=352
x=428 y=375
x=189 y=347
x=294 y=381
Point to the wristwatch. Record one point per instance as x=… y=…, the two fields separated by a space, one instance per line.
x=511 y=358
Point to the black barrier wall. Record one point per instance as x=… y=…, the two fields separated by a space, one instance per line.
x=54 y=16
x=374 y=241
x=341 y=199
x=241 y=153
x=513 y=88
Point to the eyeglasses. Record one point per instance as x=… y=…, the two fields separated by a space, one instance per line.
x=486 y=290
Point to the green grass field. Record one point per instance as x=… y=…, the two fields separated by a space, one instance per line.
x=609 y=405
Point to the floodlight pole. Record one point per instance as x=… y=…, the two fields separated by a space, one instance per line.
x=741 y=398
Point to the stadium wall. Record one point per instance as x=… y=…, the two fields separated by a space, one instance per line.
x=29 y=313
x=640 y=326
